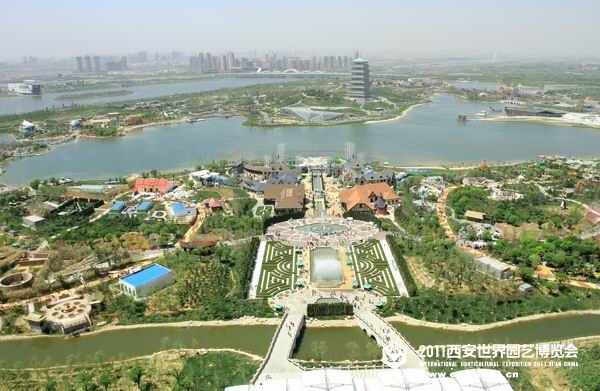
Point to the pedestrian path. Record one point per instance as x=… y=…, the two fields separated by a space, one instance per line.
x=385 y=334
x=278 y=365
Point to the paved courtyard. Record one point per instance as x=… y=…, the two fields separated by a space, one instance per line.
x=328 y=231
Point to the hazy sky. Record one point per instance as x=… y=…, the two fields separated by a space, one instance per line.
x=402 y=27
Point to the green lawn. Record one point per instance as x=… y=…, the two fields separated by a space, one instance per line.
x=204 y=194
x=215 y=371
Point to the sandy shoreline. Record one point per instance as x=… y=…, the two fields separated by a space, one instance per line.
x=542 y=120
x=128 y=129
x=404 y=113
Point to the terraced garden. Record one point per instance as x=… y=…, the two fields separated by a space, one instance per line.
x=370 y=266
x=278 y=272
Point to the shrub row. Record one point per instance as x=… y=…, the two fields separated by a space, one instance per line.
x=316 y=310
x=364 y=217
x=407 y=277
x=245 y=269
x=280 y=218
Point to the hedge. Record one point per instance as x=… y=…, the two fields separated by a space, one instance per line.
x=364 y=217
x=280 y=218
x=316 y=310
x=246 y=267
x=409 y=282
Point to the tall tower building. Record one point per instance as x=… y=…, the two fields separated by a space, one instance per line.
x=209 y=64
x=359 y=87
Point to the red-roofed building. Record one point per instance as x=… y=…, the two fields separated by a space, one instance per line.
x=369 y=198
x=212 y=203
x=153 y=185
x=592 y=217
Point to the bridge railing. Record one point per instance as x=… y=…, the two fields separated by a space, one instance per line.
x=269 y=351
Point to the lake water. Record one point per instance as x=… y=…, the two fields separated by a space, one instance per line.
x=341 y=343
x=23 y=104
x=127 y=343
x=428 y=134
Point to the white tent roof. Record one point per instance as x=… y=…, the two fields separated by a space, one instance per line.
x=386 y=380
x=26 y=124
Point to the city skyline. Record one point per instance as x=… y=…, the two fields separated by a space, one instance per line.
x=430 y=28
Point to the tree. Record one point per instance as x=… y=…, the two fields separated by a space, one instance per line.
x=35 y=184
x=526 y=274
x=135 y=375
x=50 y=385
x=105 y=380
x=85 y=380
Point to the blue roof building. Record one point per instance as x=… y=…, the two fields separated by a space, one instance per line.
x=182 y=212
x=144 y=282
x=144 y=206
x=117 y=206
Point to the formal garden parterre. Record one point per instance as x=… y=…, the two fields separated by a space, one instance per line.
x=278 y=272
x=371 y=267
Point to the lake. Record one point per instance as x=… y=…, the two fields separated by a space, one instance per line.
x=428 y=134
x=23 y=104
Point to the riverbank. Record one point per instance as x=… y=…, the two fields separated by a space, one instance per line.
x=479 y=327
x=163 y=354
x=126 y=129
x=92 y=95
x=448 y=326
x=543 y=120
x=245 y=321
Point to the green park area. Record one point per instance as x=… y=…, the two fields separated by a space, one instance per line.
x=209 y=371
x=209 y=284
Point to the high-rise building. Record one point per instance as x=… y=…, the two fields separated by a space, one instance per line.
x=88 y=63
x=79 y=60
x=96 y=63
x=116 y=66
x=230 y=60
x=359 y=87
x=195 y=64
x=208 y=63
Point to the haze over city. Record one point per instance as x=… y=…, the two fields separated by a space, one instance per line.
x=431 y=28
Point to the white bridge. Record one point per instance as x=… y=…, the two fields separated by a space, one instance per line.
x=385 y=335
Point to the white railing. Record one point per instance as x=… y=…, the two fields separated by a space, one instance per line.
x=269 y=351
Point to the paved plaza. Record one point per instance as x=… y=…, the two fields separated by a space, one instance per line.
x=328 y=231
